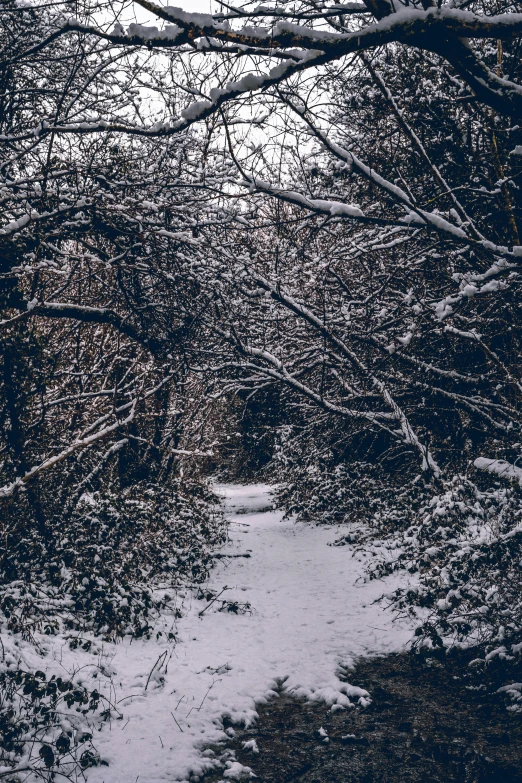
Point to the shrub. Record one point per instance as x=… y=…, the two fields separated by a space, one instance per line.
x=46 y=726
x=97 y=569
x=465 y=550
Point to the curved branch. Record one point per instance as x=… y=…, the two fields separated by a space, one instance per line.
x=437 y=30
x=98 y=315
x=11 y=489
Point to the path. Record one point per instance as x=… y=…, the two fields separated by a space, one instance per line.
x=310 y=617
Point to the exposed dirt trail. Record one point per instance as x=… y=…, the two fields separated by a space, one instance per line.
x=425 y=725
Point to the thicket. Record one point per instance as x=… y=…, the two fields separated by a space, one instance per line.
x=104 y=510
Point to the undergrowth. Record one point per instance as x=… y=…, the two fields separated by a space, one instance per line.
x=464 y=552
x=46 y=726
x=102 y=571
x=97 y=570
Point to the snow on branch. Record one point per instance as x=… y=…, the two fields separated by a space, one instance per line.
x=500 y=467
x=404 y=23
x=99 y=315
x=415 y=215
x=11 y=489
x=303 y=46
x=409 y=435
x=319 y=206
x=15 y=226
x=90 y=435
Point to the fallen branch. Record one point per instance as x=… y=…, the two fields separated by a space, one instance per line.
x=200 y=614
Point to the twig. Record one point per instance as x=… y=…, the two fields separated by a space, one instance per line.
x=15 y=769
x=197 y=709
x=214 y=599
x=176 y=722
x=160 y=658
x=206 y=694
x=129 y=696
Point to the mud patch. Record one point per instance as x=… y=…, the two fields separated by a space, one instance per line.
x=428 y=721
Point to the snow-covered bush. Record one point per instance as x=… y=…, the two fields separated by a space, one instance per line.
x=46 y=725
x=328 y=476
x=464 y=551
x=97 y=568
x=460 y=539
x=328 y=494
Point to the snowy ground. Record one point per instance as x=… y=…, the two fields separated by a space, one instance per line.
x=310 y=618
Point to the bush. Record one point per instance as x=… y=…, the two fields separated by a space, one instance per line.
x=460 y=540
x=348 y=479
x=45 y=725
x=97 y=569
x=465 y=548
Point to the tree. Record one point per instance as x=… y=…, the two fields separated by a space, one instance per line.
x=99 y=319
x=313 y=204
x=474 y=85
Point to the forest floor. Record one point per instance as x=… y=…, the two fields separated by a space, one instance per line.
x=279 y=651
x=290 y=613
x=426 y=724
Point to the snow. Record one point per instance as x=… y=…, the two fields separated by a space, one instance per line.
x=236 y=771
x=311 y=616
x=405 y=17
x=515 y=686
x=334 y=208
x=249 y=82
x=201 y=20
x=170 y=32
x=501 y=467
x=194 y=110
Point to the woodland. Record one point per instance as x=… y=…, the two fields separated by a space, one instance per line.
x=280 y=242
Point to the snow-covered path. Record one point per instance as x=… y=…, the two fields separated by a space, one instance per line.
x=310 y=617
